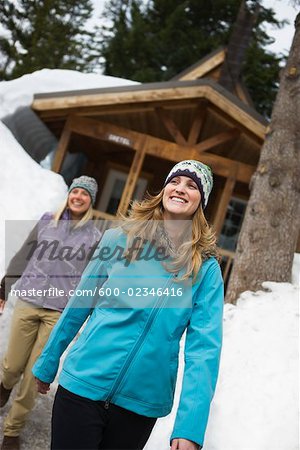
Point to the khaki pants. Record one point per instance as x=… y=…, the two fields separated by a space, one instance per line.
x=30 y=329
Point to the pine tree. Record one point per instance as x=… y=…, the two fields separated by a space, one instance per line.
x=43 y=33
x=126 y=43
x=155 y=40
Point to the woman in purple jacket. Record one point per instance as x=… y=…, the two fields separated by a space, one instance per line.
x=47 y=268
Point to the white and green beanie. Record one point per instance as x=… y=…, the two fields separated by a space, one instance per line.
x=198 y=172
x=87 y=183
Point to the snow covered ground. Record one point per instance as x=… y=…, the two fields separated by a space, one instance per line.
x=256 y=401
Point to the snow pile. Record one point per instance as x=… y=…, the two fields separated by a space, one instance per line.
x=27 y=190
x=259 y=373
x=19 y=92
x=256 y=400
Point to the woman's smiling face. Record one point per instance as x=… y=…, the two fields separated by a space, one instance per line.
x=181 y=198
x=79 y=201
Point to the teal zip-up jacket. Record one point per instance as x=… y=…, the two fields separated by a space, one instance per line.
x=127 y=353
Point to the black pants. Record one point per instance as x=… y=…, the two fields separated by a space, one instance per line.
x=81 y=423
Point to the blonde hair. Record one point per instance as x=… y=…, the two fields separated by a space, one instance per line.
x=143 y=222
x=84 y=219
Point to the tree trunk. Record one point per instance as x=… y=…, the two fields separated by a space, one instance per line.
x=268 y=237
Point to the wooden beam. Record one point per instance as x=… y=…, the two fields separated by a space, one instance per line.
x=225 y=198
x=62 y=147
x=218 y=139
x=202 y=69
x=105 y=131
x=116 y=108
x=118 y=98
x=132 y=179
x=232 y=123
x=159 y=147
x=230 y=109
x=197 y=125
x=171 y=126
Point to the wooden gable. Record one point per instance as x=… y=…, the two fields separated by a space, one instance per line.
x=210 y=67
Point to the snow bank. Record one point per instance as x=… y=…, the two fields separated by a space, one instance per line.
x=256 y=405
x=256 y=400
x=27 y=190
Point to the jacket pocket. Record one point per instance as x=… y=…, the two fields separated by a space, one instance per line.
x=151 y=378
x=89 y=326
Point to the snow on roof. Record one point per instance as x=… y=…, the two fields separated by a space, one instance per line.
x=19 y=92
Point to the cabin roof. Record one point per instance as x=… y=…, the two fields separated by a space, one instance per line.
x=149 y=95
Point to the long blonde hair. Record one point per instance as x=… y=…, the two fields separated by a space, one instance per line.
x=143 y=222
x=84 y=219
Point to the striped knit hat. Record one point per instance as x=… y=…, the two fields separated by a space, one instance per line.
x=87 y=183
x=198 y=172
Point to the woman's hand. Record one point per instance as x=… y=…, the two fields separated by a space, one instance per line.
x=42 y=387
x=2 y=304
x=184 y=444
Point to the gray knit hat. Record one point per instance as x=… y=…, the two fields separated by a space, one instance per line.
x=87 y=183
x=198 y=172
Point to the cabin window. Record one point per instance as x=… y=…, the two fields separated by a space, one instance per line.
x=232 y=224
x=113 y=190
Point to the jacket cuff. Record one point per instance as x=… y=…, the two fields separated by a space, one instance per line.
x=186 y=434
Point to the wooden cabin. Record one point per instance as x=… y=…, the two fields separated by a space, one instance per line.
x=133 y=135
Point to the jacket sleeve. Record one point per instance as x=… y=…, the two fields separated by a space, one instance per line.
x=202 y=357
x=17 y=265
x=74 y=315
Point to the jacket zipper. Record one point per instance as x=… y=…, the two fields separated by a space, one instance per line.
x=137 y=345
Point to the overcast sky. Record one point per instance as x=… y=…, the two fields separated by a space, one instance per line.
x=284 y=10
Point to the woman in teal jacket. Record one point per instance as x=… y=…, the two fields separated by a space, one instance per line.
x=151 y=279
